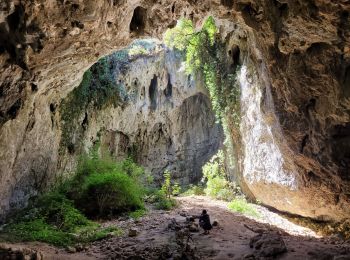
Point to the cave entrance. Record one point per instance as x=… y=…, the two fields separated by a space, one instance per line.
x=172 y=106
x=167 y=120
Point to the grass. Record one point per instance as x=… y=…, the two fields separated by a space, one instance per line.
x=137 y=214
x=100 y=188
x=37 y=230
x=241 y=205
x=54 y=219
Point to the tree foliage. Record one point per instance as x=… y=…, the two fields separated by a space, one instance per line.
x=205 y=54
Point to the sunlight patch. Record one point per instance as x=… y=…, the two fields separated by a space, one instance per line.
x=263 y=161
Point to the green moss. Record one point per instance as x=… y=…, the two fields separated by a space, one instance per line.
x=97 y=90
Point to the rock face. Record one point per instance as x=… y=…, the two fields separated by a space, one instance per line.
x=152 y=111
x=297 y=55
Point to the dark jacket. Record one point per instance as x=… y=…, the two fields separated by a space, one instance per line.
x=204 y=222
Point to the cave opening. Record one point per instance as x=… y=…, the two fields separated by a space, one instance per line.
x=138 y=21
x=184 y=122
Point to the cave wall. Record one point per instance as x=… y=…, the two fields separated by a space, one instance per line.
x=163 y=118
x=299 y=50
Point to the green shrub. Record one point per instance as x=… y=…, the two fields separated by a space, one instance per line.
x=176 y=189
x=163 y=202
x=216 y=184
x=194 y=190
x=100 y=187
x=109 y=193
x=58 y=211
x=137 y=213
x=53 y=219
x=166 y=187
x=241 y=205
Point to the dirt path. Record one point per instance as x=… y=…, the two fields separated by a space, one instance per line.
x=156 y=239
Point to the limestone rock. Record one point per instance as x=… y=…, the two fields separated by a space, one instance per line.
x=268 y=244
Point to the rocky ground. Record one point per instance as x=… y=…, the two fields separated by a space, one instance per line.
x=166 y=235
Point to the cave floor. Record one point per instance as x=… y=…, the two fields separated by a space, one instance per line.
x=160 y=235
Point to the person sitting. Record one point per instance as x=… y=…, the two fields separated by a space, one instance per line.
x=204 y=222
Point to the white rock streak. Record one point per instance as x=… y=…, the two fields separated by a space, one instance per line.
x=263 y=159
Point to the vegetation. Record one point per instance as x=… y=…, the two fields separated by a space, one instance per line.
x=214 y=174
x=208 y=57
x=138 y=50
x=163 y=197
x=98 y=89
x=53 y=219
x=194 y=190
x=163 y=202
x=166 y=187
x=103 y=188
x=205 y=54
x=100 y=188
x=241 y=205
x=138 y=213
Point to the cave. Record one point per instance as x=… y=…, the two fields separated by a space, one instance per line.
x=138 y=21
x=240 y=108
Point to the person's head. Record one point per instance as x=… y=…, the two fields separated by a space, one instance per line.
x=204 y=211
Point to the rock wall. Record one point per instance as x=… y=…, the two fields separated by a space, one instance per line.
x=299 y=51
x=164 y=120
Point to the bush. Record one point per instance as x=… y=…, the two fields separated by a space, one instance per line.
x=217 y=185
x=110 y=193
x=166 y=187
x=100 y=187
x=176 y=189
x=53 y=219
x=59 y=211
x=194 y=190
x=163 y=202
x=242 y=206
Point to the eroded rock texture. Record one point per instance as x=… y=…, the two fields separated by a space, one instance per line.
x=297 y=54
x=152 y=112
